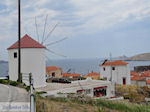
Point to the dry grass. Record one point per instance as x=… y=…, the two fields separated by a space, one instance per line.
x=45 y=105
x=75 y=103
x=126 y=89
x=131 y=92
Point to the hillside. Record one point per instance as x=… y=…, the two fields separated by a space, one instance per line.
x=140 y=57
x=120 y=58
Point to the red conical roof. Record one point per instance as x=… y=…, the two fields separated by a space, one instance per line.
x=27 y=42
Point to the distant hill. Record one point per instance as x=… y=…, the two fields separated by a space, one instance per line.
x=2 y=61
x=120 y=58
x=140 y=57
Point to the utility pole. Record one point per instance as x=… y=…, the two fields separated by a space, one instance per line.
x=19 y=42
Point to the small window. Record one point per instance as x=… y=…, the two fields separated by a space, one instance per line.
x=15 y=54
x=113 y=68
x=104 y=68
x=53 y=74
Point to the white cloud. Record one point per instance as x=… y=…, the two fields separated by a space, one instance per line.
x=102 y=14
x=87 y=16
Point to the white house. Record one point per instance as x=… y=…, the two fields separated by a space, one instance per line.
x=89 y=87
x=116 y=71
x=32 y=61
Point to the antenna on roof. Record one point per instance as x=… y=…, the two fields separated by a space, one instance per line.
x=69 y=70
x=104 y=61
x=110 y=56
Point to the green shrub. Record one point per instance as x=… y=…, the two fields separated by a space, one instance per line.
x=59 y=93
x=2 y=81
x=27 y=88
x=13 y=83
x=41 y=92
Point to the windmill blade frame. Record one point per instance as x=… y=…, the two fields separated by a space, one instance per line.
x=55 y=42
x=55 y=53
x=51 y=31
x=36 y=29
x=44 y=28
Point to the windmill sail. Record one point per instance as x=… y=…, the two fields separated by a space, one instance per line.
x=52 y=43
x=50 y=33
x=44 y=28
x=55 y=53
x=43 y=40
x=36 y=30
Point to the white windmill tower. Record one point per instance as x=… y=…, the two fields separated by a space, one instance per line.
x=33 y=58
x=32 y=61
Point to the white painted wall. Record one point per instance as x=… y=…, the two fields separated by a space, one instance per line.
x=118 y=74
x=140 y=83
x=32 y=61
x=110 y=91
x=148 y=85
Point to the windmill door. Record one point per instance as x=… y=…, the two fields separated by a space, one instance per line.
x=124 y=81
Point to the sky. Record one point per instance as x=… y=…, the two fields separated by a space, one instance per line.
x=94 y=28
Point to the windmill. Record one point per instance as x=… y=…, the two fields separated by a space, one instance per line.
x=46 y=37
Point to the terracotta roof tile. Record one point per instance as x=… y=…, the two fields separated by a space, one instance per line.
x=134 y=74
x=71 y=75
x=27 y=42
x=148 y=82
x=52 y=68
x=137 y=78
x=147 y=72
x=145 y=75
x=93 y=74
x=114 y=63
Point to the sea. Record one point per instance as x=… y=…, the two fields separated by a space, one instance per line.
x=82 y=66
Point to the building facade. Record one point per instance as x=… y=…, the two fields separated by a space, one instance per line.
x=94 y=75
x=73 y=75
x=117 y=72
x=89 y=87
x=32 y=61
x=54 y=72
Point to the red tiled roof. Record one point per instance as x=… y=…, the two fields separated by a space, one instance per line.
x=114 y=63
x=93 y=74
x=27 y=42
x=145 y=75
x=52 y=68
x=148 y=82
x=134 y=74
x=147 y=72
x=137 y=78
x=71 y=75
